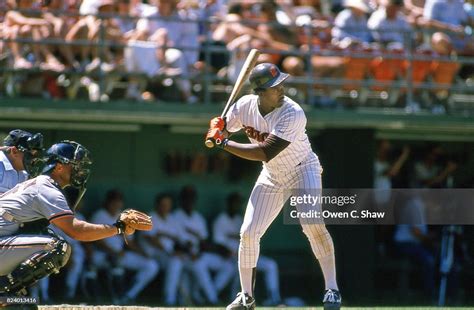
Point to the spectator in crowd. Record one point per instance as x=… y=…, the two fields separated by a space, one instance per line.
x=237 y=36
x=25 y=22
x=54 y=14
x=127 y=19
x=226 y=232
x=414 y=10
x=428 y=173
x=449 y=17
x=130 y=12
x=206 y=10
x=163 y=243
x=113 y=252
x=311 y=13
x=350 y=25
x=95 y=29
x=242 y=30
x=173 y=49
x=388 y=24
x=267 y=23
x=385 y=170
x=314 y=33
x=4 y=7
x=469 y=8
x=195 y=236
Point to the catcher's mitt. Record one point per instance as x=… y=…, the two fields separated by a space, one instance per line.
x=131 y=220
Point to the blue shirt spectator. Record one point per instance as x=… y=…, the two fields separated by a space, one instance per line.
x=388 y=24
x=352 y=23
x=446 y=11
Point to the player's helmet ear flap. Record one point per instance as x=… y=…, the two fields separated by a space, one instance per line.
x=266 y=75
x=73 y=153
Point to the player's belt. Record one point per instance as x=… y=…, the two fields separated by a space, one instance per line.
x=6 y=215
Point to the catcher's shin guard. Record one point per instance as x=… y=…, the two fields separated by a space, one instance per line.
x=35 y=267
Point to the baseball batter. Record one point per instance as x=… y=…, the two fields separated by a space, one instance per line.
x=29 y=252
x=275 y=126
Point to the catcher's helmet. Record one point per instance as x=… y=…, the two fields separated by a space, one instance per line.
x=266 y=75
x=70 y=152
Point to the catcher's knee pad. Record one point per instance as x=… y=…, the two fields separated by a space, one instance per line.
x=37 y=266
x=320 y=239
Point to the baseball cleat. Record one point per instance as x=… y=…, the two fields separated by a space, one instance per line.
x=242 y=302
x=332 y=300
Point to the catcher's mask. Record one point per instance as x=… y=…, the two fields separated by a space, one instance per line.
x=70 y=152
x=31 y=145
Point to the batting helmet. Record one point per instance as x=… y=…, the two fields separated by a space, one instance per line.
x=70 y=152
x=266 y=75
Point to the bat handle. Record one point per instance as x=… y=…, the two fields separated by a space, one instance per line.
x=210 y=144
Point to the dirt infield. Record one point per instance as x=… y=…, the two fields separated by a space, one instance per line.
x=85 y=307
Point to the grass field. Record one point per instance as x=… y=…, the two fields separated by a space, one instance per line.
x=80 y=307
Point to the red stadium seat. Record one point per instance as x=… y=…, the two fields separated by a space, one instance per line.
x=386 y=70
x=357 y=69
x=443 y=72
x=420 y=68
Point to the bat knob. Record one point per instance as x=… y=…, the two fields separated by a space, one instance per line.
x=209 y=143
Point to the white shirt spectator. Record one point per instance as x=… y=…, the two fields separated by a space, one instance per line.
x=388 y=30
x=183 y=35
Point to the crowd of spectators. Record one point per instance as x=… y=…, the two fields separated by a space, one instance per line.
x=176 y=41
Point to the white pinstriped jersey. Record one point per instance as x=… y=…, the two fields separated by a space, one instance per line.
x=287 y=122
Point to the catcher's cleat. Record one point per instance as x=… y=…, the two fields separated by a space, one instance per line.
x=332 y=300
x=242 y=302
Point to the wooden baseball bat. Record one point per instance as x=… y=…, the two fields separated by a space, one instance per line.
x=249 y=64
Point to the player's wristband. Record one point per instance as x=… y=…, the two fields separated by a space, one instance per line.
x=120 y=227
x=223 y=143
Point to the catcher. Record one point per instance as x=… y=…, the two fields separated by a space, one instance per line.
x=28 y=251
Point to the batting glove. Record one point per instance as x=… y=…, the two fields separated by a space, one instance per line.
x=217 y=123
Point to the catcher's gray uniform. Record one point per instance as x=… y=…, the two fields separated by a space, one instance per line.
x=25 y=211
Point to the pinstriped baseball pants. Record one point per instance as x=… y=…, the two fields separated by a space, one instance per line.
x=266 y=201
